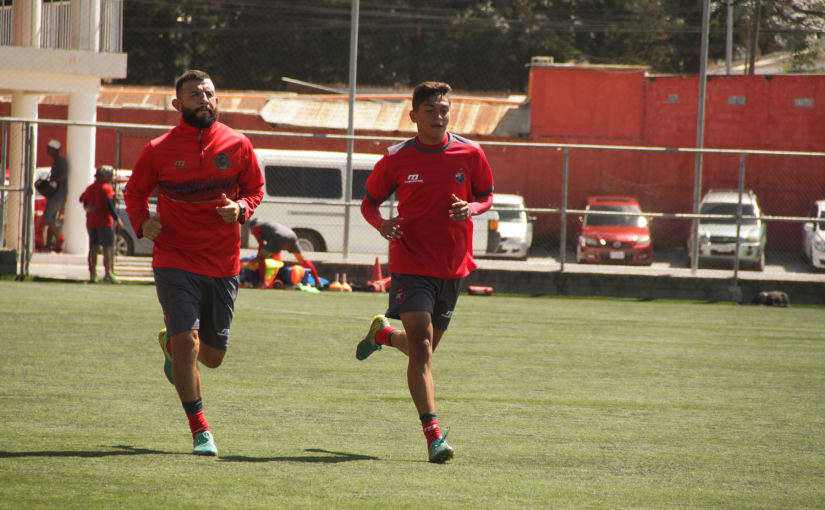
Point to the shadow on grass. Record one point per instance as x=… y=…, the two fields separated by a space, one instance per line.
x=123 y=450
x=330 y=458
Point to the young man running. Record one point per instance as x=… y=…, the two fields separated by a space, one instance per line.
x=441 y=181
x=208 y=181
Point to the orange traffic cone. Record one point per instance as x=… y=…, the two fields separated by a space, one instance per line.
x=374 y=284
x=336 y=285
x=376 y=271
x=344 y=283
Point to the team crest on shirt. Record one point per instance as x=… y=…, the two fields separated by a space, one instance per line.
x=400 y=296
x=459 y=176
x=222 y=161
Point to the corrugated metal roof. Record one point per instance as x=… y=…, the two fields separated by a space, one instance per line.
x=477 y=116
x=468 y=117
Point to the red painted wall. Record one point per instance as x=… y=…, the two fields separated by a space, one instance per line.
x=592 y=105
x=769 y=119
x=585 y=103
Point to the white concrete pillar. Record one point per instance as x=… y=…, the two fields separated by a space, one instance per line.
x=80 y=153
x=23 y=106
x=27 y=22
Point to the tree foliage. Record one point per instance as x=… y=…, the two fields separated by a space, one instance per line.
x=472 y=44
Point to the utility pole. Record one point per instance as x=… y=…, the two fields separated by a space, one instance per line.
x=757 y=8
x=729 y=41
x=700 y=134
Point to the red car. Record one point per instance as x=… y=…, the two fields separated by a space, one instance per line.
x=615 y=238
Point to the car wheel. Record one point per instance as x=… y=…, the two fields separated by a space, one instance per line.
x=310 y=241
x=123 y=245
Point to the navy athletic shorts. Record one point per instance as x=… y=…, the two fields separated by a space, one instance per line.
x=194 y=301
x=102 y=236
x=416 y=293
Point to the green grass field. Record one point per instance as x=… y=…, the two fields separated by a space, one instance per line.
x=553 y=403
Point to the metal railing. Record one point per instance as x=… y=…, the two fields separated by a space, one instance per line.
x=563 y=212
x=6 y=23
x=56 y=25
x=111 y=23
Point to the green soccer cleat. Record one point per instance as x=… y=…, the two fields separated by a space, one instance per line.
x=204 y=444
x=368 y=346
x=110 y=278
x=167 y=363
x=440 y=452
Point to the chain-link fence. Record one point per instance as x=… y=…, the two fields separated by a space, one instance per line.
x=305 y=191
x=644 y=198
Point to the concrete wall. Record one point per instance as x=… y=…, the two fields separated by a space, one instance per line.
x=611 y=285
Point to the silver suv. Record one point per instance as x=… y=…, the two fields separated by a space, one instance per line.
x=717 y=236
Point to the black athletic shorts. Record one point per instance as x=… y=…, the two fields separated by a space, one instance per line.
x=415 y=293
x=195 y=301
x=102 y=236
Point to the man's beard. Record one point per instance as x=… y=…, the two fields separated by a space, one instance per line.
x=192 y=118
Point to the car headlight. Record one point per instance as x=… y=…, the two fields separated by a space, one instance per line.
x=589 y=241
x=753 y=238
x=643 y=241
x=819 y=245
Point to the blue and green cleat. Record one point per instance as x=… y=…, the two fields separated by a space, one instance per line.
x=439 y=451
x=368 y=346
x=163 y=340
x=204 y=444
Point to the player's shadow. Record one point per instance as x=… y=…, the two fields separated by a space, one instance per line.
x=330 y=458
x=121 y=450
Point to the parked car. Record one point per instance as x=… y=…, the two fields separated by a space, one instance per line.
x=813 y=236
x=615 y=238
x=514 y=225
x=127 y=242
x=717 y=236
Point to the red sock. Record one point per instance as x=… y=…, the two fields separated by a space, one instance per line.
x=383 y=336
x=197 y=423
x=262 y=269
x=432 y=431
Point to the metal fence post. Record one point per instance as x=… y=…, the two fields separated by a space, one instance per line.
x=563 y=240
x=700 y=132
x=28 y=201
x=353 y=61
x=736 y=292
x=3 y=166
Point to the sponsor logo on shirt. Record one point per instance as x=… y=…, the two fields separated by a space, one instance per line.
x=400 y=296
x=180 y=164
x=448 y=314
x=222 y=161
x=413 y=178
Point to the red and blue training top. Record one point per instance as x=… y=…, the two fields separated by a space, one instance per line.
x=191 y=168
x=424 y=178
x=99 y=194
